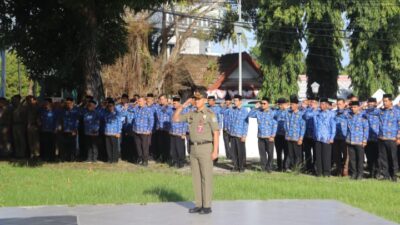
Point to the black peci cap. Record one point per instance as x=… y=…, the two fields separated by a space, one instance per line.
x=211 y=97
x=228 y=98
x=281 y=100
x=294 y=99
x=176 y=99
x=265 y=99
x=354 y=103
x=238 y=97
x=323 y=99
x=372 y=100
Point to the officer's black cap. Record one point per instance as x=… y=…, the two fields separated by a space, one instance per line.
x=294 y=99
x=49 y=100
x=211 y=97
x=238 y=97
x=69 y=99
x=352 y=103
x=265 y=99
x=228 y=98
x=371 y=99
x=389 y=96
x=199 y=94
x=176 y=99
x=111 y=101
x=93 y=102
x=281 y=100
x=323 y=99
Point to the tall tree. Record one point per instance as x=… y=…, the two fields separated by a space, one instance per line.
x=324 y=39
x=375 y=47
x=279 y=31
x=70 y=39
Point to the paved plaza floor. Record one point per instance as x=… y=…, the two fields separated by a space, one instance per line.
x=273 y=212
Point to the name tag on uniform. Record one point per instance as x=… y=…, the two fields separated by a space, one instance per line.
x=200 y=128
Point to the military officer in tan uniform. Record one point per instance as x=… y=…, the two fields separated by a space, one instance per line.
x=204 y=137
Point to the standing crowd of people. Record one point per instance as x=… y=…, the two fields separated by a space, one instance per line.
x=313 y=135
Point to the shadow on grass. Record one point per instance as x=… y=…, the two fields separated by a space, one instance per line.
x=25 y=162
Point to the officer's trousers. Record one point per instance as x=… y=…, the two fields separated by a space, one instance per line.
x=340 y=157
x=266 y=150
x=48 y=146
x=388 y=158
x=68 y=149
x=281 y=147
x=323 y=153
x=227 y=143
x=238 y=153
x=142 y=145
x=91 y=142
x=177 y=149
x=309 y=158
x=112 y=149
x=372 y=154
x=19 y=140
x=33 y=141
x=295 y=155
x=202 y=174
x=356 y=156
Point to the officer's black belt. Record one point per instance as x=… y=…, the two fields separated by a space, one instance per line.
x=200 y=143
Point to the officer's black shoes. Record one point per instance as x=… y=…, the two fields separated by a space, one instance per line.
x=145 y=163
x=205 y=211
x=195 y=210
x=353 y=177
x=359 y=177
x=394 y=178
x=235 y=169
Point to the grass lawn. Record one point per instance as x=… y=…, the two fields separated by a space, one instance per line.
x=77 y=183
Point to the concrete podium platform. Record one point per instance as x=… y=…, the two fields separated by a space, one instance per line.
x=274 y=212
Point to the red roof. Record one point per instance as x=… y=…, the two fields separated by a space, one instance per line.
x=229 y=63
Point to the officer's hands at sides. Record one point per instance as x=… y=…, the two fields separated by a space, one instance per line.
x=117 y=135
x=243 y=139
x=300 y=142
x=364 y=144
x=214 y=155
x=271 y=139
x=398 y=142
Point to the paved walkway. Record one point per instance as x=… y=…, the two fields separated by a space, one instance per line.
x=275 y=212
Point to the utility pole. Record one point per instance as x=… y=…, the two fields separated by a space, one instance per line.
x=239 y=45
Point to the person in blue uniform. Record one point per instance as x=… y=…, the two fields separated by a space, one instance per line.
x=280 y=141
x=238 y=131
x=212 y=104
x=112 y=131
x=69 y=127
x=142 y=126
x=163 y=124
x=178 y=135
x=153 y=106
x=371 y=150
x=91 y=120
x=324 y=135
x=339 y=147
x=48 y=125
x=308 y=141
x=295 y=128
x=356 y=139
x=267 y=127
x=388 y=138
x=122 y=109
x=226 y=114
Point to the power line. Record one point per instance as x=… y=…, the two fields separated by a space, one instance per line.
x=247 y=25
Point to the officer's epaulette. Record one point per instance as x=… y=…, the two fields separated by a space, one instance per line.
x=209 y=111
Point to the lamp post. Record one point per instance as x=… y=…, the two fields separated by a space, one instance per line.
x=239 y=32
x=315 y=88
